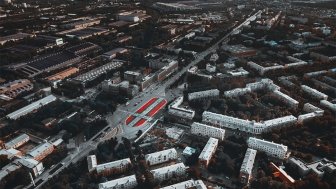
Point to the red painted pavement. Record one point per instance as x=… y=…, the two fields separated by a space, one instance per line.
x=145 y=106
x=157 y=108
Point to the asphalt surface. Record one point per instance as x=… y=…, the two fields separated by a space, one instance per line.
x=116 y=122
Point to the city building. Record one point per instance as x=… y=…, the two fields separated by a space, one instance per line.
x=208 y=151
x=17 y=141
x=208 y=131
x=62 y=74
x=14 y=37
x=92 y=162
x=113 y=53
x=314 y=93
x=133 y=16
x=210 y=68
x=224 y=121
x=128 y=182
x=114 y=167
x=329 y=105
x=93 y=74
x=41 y=151
x=161 y=156
x=245 y=174
x=189 y=184
x=31 y=107
x=166 y=173
x=16 y=87
x=83 y=23
x=132 y=76
x=213 y=93
x=35 y=167
x=270 y=148
x=146 y=81
x=239 y=50
x=167 y=70
x=319 y=168
x=180 y=112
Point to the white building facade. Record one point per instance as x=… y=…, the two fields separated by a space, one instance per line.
x=208 y=131
x=207 y=152
x=270 y=148
x=161 y=156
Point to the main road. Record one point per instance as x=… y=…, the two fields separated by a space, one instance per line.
x=116 y=126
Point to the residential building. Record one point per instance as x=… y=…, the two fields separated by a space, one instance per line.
x=132 y=76
x=208 y=131
x=128 y=182
x=213 y=93
x=245 y=174
x=314 y=93
x=208 y=151
x=114 y=167
x=161 y=156
x=189 y=184
x=180 y=112
x=254 y=127
x=92 y=162
x=166 y=173
x=270 y=148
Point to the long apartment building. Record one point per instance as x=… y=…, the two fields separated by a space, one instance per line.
x=224 y=121
x=181 y=112
x=109 y=168
x=208 y=131
x=189 y=184
x=41 y=151
x=114 y=167
x=166 y=173
x=270 y=148
x=314 y=93
x=17 y=141
x=208 y=151
x=128 y=182
x=14 y=88
x=213 y=93
x=247 y=166
x=161 y=156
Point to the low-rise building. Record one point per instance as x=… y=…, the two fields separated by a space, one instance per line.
x=113 y=53
x=17 y=141
x=92 y=162
x=114 y=167
x=213 y=93
x=319 y=168
x=245 y=174
x=314 y=93
x=189 y=184
x=327 y=104
x=161 y=156
x=208 y=151
x=166 y=173
x=35 y=167
x=41 y=151
x=208 y=131
x=14 y=88
x=128 y=182
x=31 y=107
x=270 y=148
x=180 y=112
